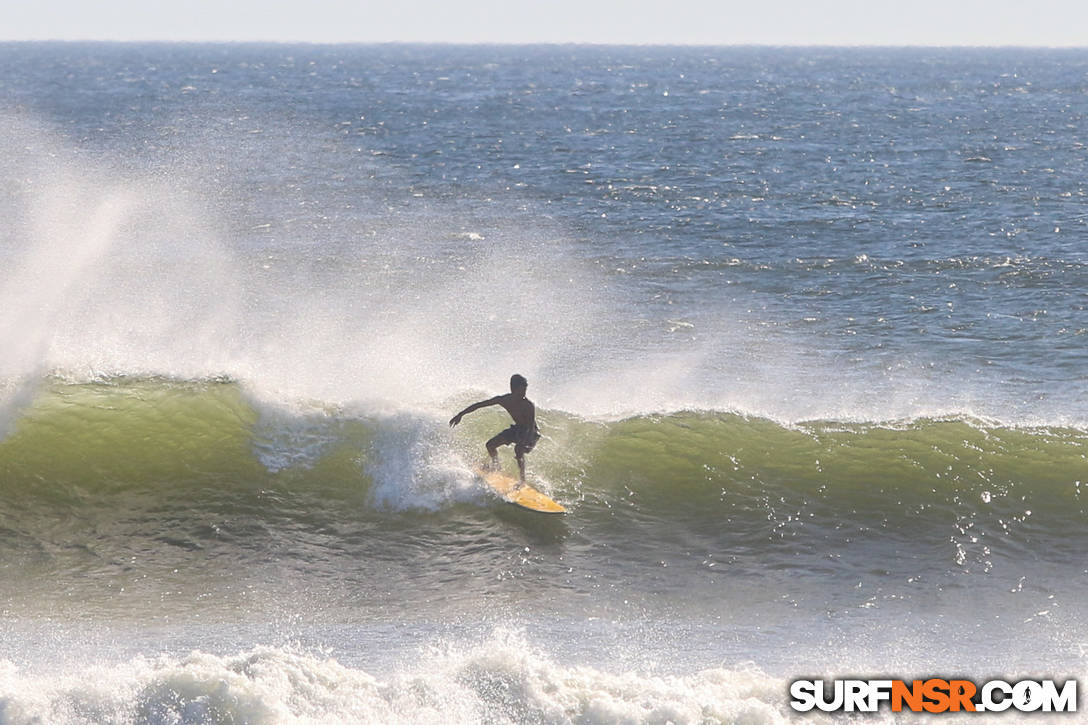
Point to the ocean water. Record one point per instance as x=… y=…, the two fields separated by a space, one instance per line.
x=806 y=331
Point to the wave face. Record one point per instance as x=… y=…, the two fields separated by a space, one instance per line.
x=168 y=489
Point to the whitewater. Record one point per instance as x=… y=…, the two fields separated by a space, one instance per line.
x=804 y=329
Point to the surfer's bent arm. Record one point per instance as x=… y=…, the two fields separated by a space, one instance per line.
x=475 y=406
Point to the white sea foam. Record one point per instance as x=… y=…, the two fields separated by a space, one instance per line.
x=504 y=680
x=412 y=465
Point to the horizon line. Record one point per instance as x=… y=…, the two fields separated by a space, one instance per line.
x=544 y=43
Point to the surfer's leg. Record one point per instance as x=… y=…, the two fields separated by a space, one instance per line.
x=502 y=439
x=519 y=456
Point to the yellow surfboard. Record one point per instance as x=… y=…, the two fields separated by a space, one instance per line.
x=521 y=494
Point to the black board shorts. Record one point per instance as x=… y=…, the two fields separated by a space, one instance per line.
x=523 y=437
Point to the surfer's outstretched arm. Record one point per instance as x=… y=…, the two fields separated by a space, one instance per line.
x=475 y=406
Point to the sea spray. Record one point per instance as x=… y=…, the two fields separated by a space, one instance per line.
x=501 y=680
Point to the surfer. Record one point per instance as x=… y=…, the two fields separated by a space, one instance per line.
x=523 y=433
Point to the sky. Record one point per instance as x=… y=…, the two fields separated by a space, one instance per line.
x=681 y=22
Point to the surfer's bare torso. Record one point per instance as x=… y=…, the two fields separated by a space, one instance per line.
x=523 y=434
x=520 y=409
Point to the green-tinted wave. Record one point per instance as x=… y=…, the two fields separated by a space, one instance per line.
x=173 y=489
x=196 y=457
x=140 y=435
